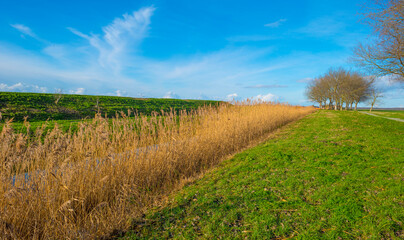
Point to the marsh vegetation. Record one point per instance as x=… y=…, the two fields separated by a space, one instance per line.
x=93 y=181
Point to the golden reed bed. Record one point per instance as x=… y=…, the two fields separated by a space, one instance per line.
x=88 y=183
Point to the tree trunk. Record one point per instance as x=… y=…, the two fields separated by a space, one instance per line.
x=373 y=102
x=356 y=106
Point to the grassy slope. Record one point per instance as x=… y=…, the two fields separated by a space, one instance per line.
x=330 y=175
x=40 y=107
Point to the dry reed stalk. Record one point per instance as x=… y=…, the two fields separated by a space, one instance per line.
x=93 y=181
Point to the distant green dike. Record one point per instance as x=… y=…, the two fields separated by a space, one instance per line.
x=330 y=175
x=41 y=107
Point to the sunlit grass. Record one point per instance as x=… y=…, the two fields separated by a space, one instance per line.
x=331 y=175
x=389 y=113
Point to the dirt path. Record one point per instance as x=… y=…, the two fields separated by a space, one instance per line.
x=395 y=119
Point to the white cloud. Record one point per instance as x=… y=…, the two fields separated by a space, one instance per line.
x=56 y=51
x=24 y=30
x=18 y=65
x=77 y=91
x=38 y=89
x=103 y=63
x=266 y=98
x=228 y=69
x=20 y=87
x=389 y=87
x=29 y=67
x=119 y=38
x=5 y=87
x=102 y=57
x=225 y=68
x=118 y=93
x=276 y=24
x=171 y=95
x=231 y=97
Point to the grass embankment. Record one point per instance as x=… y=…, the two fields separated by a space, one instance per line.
x=88 y=183
x=41 y=107
x=332 y=175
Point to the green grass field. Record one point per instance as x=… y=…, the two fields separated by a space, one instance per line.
x=71 y=109
x=65 y=125
x=331 y=175
x=389 y=113
x=41 y=107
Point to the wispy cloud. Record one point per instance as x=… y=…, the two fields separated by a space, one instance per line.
x=24 y=30
x=388 y=84
x=119 y=38
x=27 y=31
x=305 y=80
x=323 y=27
x=230 y=69
x=56 y=51
x=93 y=64
x=110 y=63
x=222 y=69
x=267 y=86
x=276 y=23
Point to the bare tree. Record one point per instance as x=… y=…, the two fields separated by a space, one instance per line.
x=361 y=88
x=313 y=92
x=346 y=90
x=337 y=79
x=339 y=86
x=375 y=96
x=385 y=56
x=58 y=95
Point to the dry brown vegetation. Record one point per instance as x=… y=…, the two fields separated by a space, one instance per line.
x=90 y=182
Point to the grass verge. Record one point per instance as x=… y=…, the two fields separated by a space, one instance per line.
x=331 y=175
x=389 y=114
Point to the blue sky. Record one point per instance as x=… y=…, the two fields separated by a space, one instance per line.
x=179 y=48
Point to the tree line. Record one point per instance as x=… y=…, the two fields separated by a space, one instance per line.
x=339 y=88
